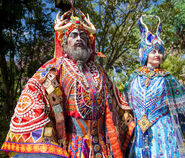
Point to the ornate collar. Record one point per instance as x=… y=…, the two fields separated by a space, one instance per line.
x=91 y=69
x=151 y=73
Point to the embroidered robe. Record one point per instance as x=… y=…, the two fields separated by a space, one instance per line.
x=66 y=113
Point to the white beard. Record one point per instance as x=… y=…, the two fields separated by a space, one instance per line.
x=79 y=55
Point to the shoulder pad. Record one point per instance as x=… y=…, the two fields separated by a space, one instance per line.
x=54 y=63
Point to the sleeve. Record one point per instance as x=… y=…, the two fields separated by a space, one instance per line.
x=176 y=102
x=33 y=124
x=176 y=94
x=32 y=109
x=121 y=118
x=126 y=89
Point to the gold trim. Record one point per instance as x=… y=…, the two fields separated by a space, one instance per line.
x=144 y=123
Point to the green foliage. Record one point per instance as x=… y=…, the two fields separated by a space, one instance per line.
x=172 y=14
x=175 y=65
x=27 y=37
x=115 y=22
x=27 y=42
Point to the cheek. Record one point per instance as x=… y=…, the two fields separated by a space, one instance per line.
x=161 y=59
x=84 y=40
x=70 y=42
x=150 y=58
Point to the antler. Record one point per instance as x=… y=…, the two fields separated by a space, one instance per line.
x=89 y=28
x=59 y=23
x=150 y=16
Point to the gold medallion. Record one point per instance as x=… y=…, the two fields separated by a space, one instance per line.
x=147 y=82
x=144 y=123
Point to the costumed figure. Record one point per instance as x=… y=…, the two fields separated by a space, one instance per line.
x=69 y=108
x=157 y=100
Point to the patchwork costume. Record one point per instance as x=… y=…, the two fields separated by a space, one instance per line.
x=63 y=112
x=158 y=103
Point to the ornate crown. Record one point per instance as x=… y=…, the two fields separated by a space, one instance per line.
x=149 y=41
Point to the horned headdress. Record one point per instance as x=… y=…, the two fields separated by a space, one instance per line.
x=69 y=21
x=149 y=41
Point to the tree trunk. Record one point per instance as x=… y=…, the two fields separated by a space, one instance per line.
x=7 y=106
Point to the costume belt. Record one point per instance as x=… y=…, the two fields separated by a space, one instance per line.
x=54 y=95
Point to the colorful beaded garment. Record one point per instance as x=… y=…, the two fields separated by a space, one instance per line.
x=159 y=105
x=93 y=119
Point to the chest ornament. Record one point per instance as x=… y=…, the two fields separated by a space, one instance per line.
x=147 y=82
x=144 y=123
x=84 y=91
x=150 y=74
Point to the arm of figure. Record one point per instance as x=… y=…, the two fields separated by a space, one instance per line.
x=125 y=116
x=32 y=127
x=176 y=101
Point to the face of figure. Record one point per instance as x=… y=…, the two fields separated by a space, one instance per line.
x=77 y=39
x=155 y=58
x=78 y=47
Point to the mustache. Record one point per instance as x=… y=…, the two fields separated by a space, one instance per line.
x=79 y=43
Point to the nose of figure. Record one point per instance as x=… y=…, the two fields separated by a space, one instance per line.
x=157 y=52
x=158 y=56
x=79 y=42
x=78 y=38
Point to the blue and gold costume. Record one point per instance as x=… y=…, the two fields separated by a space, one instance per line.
x=159 y=113
x=157 y=100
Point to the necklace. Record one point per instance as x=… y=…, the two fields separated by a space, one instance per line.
x=151 y=73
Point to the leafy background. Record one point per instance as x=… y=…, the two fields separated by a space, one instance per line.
x=27 y=41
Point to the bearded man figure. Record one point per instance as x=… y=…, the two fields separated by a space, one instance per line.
x=78 y=48
x=69 y=108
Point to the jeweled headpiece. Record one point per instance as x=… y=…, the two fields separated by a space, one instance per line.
x=149 y=41
x=70 y=20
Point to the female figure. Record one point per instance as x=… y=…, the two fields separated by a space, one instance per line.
x=157 y=100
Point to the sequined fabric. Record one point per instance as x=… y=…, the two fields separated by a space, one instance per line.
x=155 y=133
x=152 y=103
